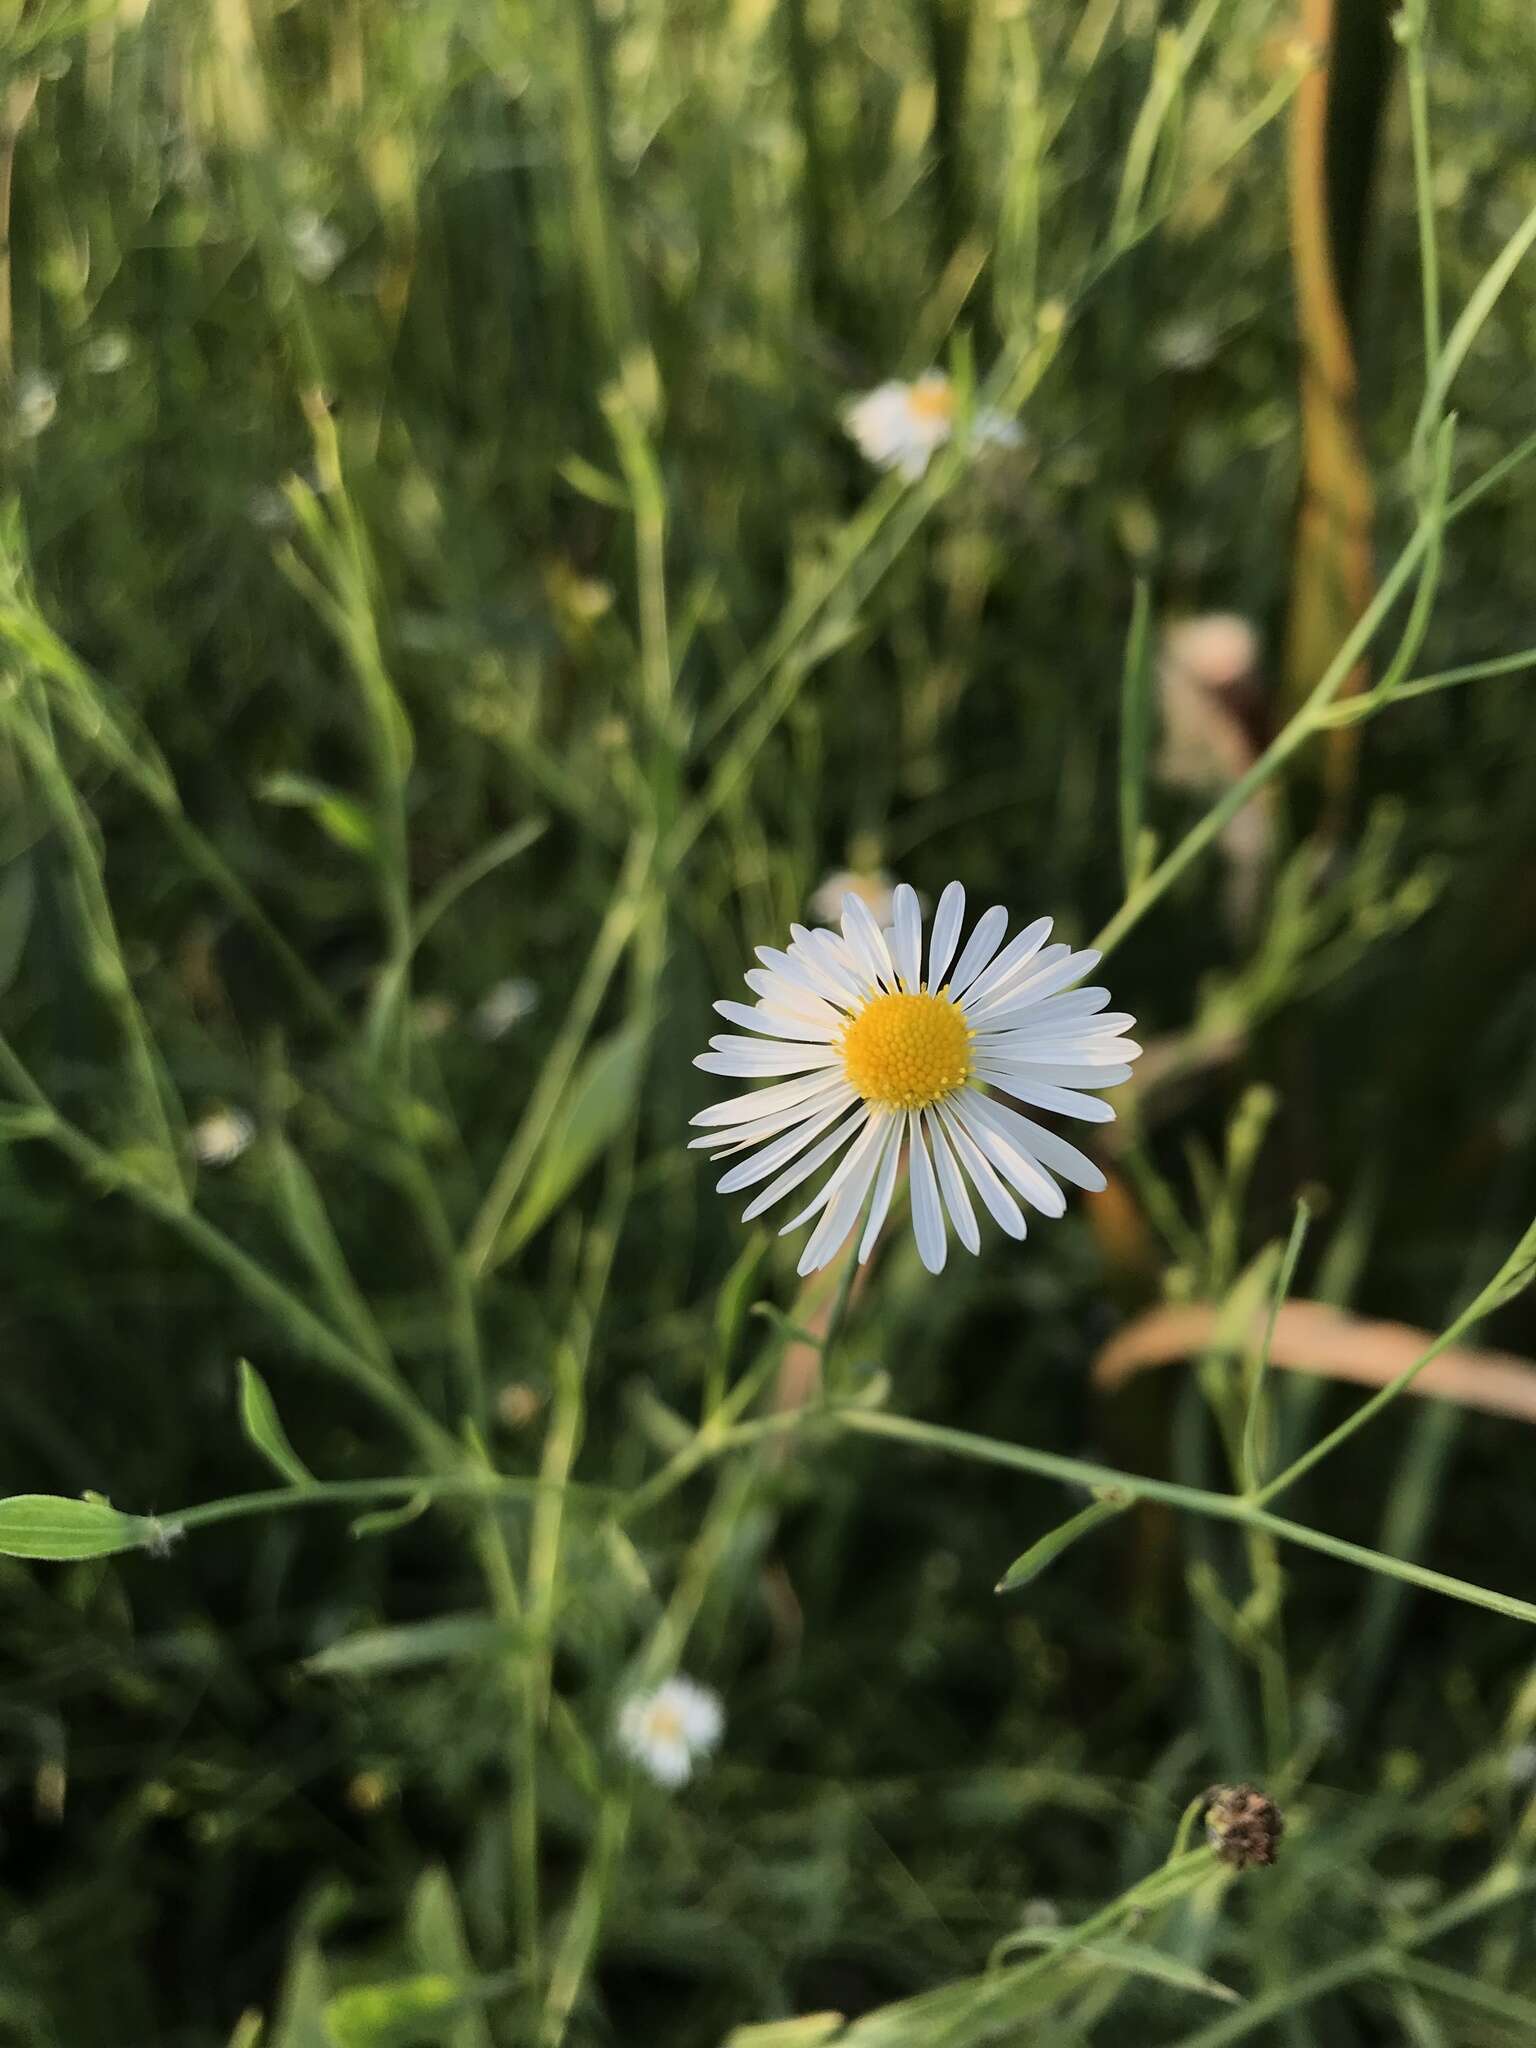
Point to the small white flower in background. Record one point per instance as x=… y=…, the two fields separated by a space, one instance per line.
x=667 y=1731
x=220 y=1138
x=34 y=401
x=1040 y=1913
x=874 y=887
x=1184 y=345
x=106 y=353
x=1520 y=1764
x=315 y=245
x=508 y=1003
x=900 y=426
x=876 y=1054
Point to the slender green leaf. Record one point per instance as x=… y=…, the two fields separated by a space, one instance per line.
x=447 y=1639
x=53 y=1527
x=16 y=895
x=264 y=1430
x=302 y=2019
x=401 y=2014
x=1254 y=1417
x=601 y=1097
x=811 y=2030
x=495 y=854
x=1474 y=315
x=1135 y=729
x=437 y=1938
x=309 y=1225
x=736 y=1290
x=340 y=817
x=1138 y=1960
x=1045 y=1553
x=385 y=1521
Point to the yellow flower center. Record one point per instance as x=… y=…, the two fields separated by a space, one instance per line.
x=665 y=1723
x=907 y=1051
x=932 y=399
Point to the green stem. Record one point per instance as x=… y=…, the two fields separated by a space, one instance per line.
x=1515 y=1272
x=1223 y=1507
x=306 y=1330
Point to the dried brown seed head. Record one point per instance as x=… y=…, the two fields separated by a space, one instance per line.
x=1242 y=1825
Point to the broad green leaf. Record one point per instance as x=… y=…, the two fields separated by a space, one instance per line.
x=1049 y=1548
x=51 y=1526
x=340 y=817
x=394 y=2015
x=809 y=2031
x=437 y=1939
x=263 y=1429
x=596 y=1109
x=444 y=1640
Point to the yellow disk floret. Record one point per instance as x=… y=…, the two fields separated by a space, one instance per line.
x=907 y=1051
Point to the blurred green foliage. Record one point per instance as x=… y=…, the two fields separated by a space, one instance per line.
x=422 y=425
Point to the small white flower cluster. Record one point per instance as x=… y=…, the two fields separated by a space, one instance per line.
x=902 y=426
x=219 y=1138
x=667 y=1731
x=34 y=401
x=508 y=1003
x=315 y=244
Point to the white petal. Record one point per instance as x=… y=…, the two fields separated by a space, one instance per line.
x=885 y=1183
x=1087 y=1109
x=1012 y=1160
x=1014 y=957
x=773 y=1022
x=1083 y=1002
x=760 y=1102
x=866 y=941
x=1045 y=981
x=732 y=1057
x=1051 y=1150
x=802 y=972
x=827 y=952
x=952 y=1187
x=906 y=937
x=979 y=948
x=947 y=920
x=773 y=1156
x=1002 y=994
x=843 y=1210
x=1004 y=1210
x=804 y=1168
x=1061 y=1073
x=927 y=1216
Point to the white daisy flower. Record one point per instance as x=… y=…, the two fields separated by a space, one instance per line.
x=667 y=1731
x=219 y=1139
x=899 y=426
x=870 y=1050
